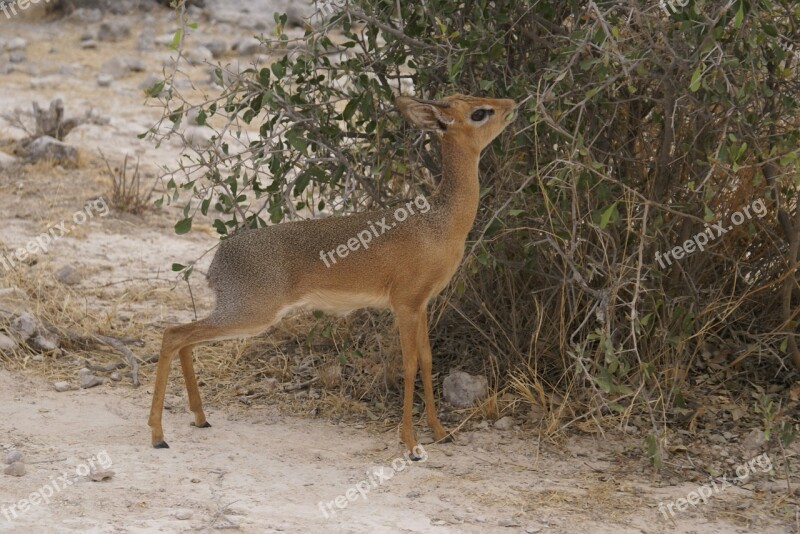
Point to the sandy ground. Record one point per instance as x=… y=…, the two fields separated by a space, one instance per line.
x=257 y=469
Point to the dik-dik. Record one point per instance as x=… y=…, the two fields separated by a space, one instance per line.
x=260 y=275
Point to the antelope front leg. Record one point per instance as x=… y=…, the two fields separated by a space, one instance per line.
x=425 y=367
x=408 y=320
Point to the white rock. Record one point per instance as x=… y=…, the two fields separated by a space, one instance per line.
x=463 y=390
x=17 y=469
x=7 y=160
x=51 y=149
x=7 y=344
x=183 y=515
x=24 y=326
x=14 y=456
x=99 y=474
x=248 y=46
x=62 y=386
x=17 y=43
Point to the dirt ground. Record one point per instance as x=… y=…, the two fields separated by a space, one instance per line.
x=259 y=469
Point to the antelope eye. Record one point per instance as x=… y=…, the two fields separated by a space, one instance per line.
x=480 y=114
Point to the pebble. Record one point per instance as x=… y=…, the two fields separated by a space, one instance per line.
x=69 y=275
x=217 y=47
x=24 y=326
x=90 y=381
x=62 y=386
x=43 y=343
x=183 y=515
x=14 y=456
x=7 y=344
x=17 y=469
x=17 y=56
x=100 y=474
x=505 y=423
x=91 y=44
x=113 y=31
x=17 y=43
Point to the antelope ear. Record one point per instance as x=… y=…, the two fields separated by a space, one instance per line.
x=422 y=115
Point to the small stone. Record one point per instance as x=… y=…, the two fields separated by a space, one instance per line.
x=217 y=47
x=7 y=344
x=100 y=474
x=508 y=523
x=7 y=160
x=199 y=56
x=505 y=423
x=89 y=381
x=247 y=46
x=14 y=456
x=17 y=43
x=89 y=45
x=463 y=390
x=69 y=275
x=62 y=386
x=17 y=469
x=24 y=326
x=145 y=40
x=113 y=31
x=17 y=56
x=43 y=343
x=116 y=377
x=183 y=515
x=754 y=440
x=51 y=149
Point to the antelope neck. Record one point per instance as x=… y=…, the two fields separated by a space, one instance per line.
x=458 y=193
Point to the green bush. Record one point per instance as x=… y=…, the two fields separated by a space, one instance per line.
x=640 y=125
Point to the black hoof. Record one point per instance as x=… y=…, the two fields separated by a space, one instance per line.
x=414 y=458
x=161 y=445
x=447 y=439
x=204 y=425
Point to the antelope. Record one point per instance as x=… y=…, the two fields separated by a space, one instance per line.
x=260 y=275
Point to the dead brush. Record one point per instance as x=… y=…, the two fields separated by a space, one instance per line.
x=126 y=192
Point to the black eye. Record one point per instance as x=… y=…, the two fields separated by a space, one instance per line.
x=479 y=114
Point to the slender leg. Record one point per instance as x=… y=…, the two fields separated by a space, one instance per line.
x=408 y=319
x=425 y=367
x=195 y=404
x=159 y=390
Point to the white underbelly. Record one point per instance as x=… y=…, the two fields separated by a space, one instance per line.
x=336 y=302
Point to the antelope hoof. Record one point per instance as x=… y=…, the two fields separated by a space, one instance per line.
x=413 y=457
x=205 y=424
x=161 y=445
x=447 y=439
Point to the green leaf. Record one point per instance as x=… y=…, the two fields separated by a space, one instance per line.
x=155 y=89
x=609 y=212
x=183 y=226
x=737 y=21
x=178 y=267
x=176 y=40
x=696 y=79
